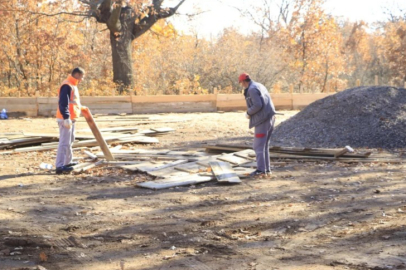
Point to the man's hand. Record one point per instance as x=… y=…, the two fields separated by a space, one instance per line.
x=67 y=123
x=247 y=116
x=83 y=108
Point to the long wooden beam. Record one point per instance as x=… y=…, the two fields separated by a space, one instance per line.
x=97 y=134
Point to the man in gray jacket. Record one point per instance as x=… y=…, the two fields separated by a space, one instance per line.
x=261 y=113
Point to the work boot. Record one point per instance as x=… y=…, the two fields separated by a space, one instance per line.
x=72 y=164
x=258 y=174
x=63 y=169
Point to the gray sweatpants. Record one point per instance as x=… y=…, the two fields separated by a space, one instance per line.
x=64 y=155
x=263 y=134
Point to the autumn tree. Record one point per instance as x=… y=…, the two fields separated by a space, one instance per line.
x=125 y=23
x=394 y=48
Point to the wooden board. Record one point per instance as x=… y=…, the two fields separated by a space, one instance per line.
x=191 y=167
x=138 y=139
x=97 y=134
x=176 y=181
x=163 y=130
x=205 y=162
x=121 y=163
x=187 y=153
x=83 y=166
x=223 y=172
x=119 y=129
x=242 y=172
x=19 y=142
x=167 y=172
x=153 y=166
x=247 y=154
x=249 y=165
x=234 y=160
x=78 y=135
x=142 y=151
x=327 y=152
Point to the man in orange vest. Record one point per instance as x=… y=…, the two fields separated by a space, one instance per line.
x=68 y=111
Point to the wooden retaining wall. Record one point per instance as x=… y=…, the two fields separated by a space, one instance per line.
x=43 y=106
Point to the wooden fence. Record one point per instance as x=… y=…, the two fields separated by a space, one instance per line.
x=42 y=106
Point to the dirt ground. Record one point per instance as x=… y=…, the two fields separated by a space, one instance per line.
x=324 y=215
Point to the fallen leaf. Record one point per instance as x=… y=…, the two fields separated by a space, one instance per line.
x=43 y=257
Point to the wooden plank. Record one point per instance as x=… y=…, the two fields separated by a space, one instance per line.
x=343 y=151
x=243 y=172
x=143 y=151
x=254 y=164
x=119 y=129
x=206 y=161
x=153 y=166
x=127 y=158
x=235 y=160
x=78 y=135
x=91 y=155
x=176 y=181
x=78 y=168
x=191 y=167
x=247 y=154
x=167 y=172
x=136 y=100
x=223 y=172
x=138 y=139
x=35 y=149
x=163 y=130
x=4 y=101
x=328 y=152
x=120 y=163
x=14 y=143
x=92 y=124
x=222 y=149
x=143 y=166
x=187 y=153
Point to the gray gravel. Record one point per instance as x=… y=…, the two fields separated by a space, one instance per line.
x=364 y=117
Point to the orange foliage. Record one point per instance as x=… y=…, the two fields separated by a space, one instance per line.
x=309 y=50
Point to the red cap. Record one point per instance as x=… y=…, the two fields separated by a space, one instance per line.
x=243 y=77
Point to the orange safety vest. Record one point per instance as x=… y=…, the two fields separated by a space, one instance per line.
x=74 y=102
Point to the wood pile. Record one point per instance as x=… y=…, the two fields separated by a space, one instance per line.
x=310 y=154
x=179 y=168
x=31 y=142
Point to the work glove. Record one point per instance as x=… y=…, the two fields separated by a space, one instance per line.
x=247 y=115
x=67 y=123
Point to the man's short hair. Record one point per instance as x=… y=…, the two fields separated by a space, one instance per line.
x=78 y=70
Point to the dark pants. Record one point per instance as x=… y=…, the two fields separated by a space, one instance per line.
x=263 y=134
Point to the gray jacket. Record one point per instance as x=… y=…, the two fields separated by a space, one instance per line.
x=259 y=103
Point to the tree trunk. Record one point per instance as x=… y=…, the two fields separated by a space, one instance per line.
x=125 y=25
x=121 y=24
x=122 y=61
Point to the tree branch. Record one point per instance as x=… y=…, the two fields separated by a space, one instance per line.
x=100 y=9
x=46 y=14
x=165 y=13
x=113 y=22
x=157 y=4
x=153 y=16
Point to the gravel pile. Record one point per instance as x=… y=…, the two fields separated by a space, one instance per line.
x=364 y=117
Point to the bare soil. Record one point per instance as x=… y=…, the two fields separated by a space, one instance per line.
x=309 y=215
